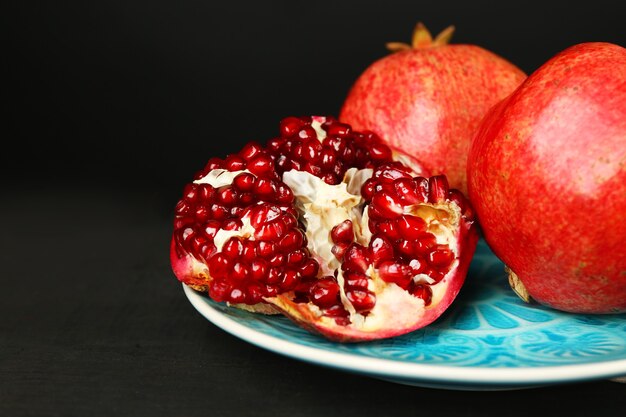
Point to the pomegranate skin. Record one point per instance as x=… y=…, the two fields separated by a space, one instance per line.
x=428 y=101
x=547 y=178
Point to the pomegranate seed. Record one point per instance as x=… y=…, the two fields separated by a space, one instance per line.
x=362 y=301
x=335 y=143
x=407 y=248
x=436 y=274
x=399 y=274
x=265 y=188
x=389 y=229
x=277 y=260
x=261 y=165
x=234 y=163
x=219 y=266
x=417 y=265
x=327 y=158
x=264 y=213
x=386 y=205
x=270 y=231
x=271 y=290
x=343 y=232
x=424 y=243
x=406 y=190
x=356 y=258
x=250 y=150
x=330 y=178
x=255 y=294
x=309 y=269
x=441 y=257
x=244 y=182
x=307 y=132
x=246 y=199
x=232 y=248
x=189 y=192
x=210 y=228
x=265 y=249
x=284 y=195
x=206 y=192
x=219 y=212
x=232 y=224
x=356 y=280
x=380 y=249
x=219 y=290
x=297 y=257
x=275 y=275
x=259 y=269
x=380 y=152
x=368 y=189
x=424 y=292
x=248 y=253
x=339 y=250
x=325 y=293
x=339 y=129
x=421 y=188
x=237 y=296
x=289 y=279
x=292 y=240
x=311 y=148
x=410 y=227
x=240 y=271
x=438 y=189
x=391 y=171
x=202 y=214
x=290 y=125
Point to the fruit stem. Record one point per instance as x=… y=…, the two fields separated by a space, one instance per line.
x=517 y=286
x=423 y=39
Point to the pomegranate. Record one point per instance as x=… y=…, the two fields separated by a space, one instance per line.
x=547 y=177
x=327 y=226
x=427 y=99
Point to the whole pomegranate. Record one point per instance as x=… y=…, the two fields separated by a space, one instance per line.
x=328 y=226
x=547 y=177
x=427 y=99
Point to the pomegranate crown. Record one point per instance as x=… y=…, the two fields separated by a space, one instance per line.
x=423 y=39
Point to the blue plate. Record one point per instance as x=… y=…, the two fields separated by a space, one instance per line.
x=488 y=339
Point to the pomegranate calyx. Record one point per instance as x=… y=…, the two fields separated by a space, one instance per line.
x=423 y=39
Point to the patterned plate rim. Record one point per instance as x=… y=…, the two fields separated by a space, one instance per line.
x=397 y=369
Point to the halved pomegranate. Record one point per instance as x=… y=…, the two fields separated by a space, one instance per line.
x=328 y=226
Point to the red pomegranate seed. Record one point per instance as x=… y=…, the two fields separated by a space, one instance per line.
x=406 y=190
x=244 y=182
x=386 y=205
x=290 y=125
x=265 y=249
x=206 y=193
x=380 y=249
x=250 y=150
x=325 y=292
x=424 y=243
x=407 y=247
x=262 y=165
x=237 y=296
x=327 y=158
x=255 y=294
x=265 y=188
x=307 y=132
x=219 y=290
x=240 y=271
x=297 y=257
x=248 y=253
x=356 y=280
x=259 y=269
x=292 y=240
x=397 y=273
x=417 y=265
x=380 y=152
x=309 y=268
x=441 y=257
x=234 y=163
x=202 y=214
x=289 y=279
x=424 y=292
x=284 y=195
x=391 y=171
x=275 y=275
x=343 y=232
x=264 y=213
x=338 y=129
x=232 y=248
x=389 y=229
x=362 y=300
x=356 y=258
x=438 y=189
x=270 y=231
x=410 y=227
x=339 y=250
x=211 y=227
x=232 y=224
x=219 y=266
x=278 y=259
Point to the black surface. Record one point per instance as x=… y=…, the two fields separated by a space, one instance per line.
x=115 y=105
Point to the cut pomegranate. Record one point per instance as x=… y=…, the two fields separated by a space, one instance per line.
x=327 y=226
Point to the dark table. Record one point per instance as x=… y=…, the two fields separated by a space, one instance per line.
x=93 y=323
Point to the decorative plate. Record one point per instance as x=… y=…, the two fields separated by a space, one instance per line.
x=488 y=339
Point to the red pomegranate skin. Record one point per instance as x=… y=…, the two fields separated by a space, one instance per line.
x=547 y=177
x=429 y=100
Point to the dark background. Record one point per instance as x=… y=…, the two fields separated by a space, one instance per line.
x=112 y=106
